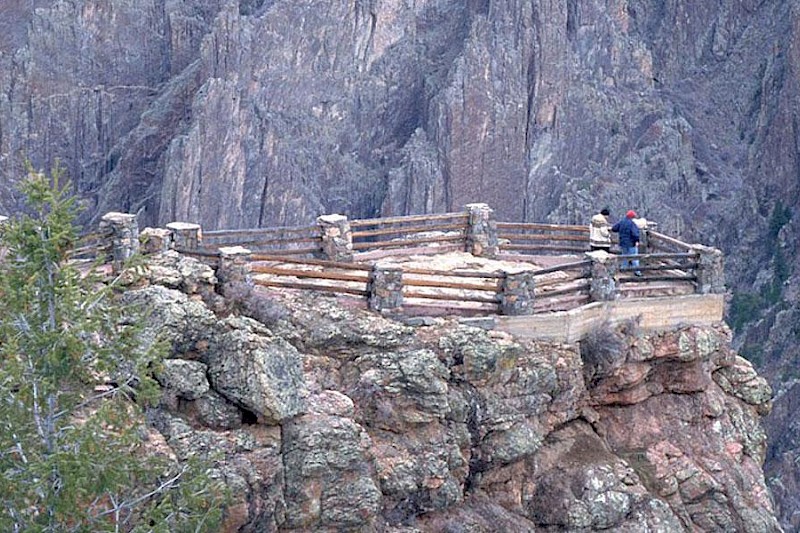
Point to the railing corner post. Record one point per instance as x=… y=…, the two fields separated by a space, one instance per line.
x=517 y=293
x=234 y=266
x=337 y=238
x=481 y=235
x=122 y=232
x=603 y=285
x=710 y=270
x=385 y=287
x=186 y=235
x=155 y=240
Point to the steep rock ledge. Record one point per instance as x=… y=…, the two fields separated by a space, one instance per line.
x=327 y=418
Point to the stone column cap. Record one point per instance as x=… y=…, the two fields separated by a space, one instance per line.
x=115 y=216
x=178 y=226
x=332 y=219
x=228 y=251
x=601 y=256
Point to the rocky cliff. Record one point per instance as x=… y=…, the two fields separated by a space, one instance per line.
x=254 y=112
x=324 y=417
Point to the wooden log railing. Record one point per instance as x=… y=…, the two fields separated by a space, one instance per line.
x=532 y=238
x=453 y=287
x=310 y=274
x=446 y=231
x=303 y=240
x=659 y=241
x=278 y=258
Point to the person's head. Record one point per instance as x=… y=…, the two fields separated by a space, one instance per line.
x=631 y=214
x=605 y=212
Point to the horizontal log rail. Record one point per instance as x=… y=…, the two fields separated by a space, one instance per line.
x=257 y=231
x=561 y=292
x=541 y=237
x=648 y=279
x=293 y=251
x=544 y=247
x=407 y=229
x=541 y=284
x=315 y=262
x=267 y=242
x=310 y=286
x=454 y=273
x=407 y=219
x=566 y=266
x=681 y=267
x=654 y=237
x=532 y=226
x=311 y=274
x=450 y=284
x=454 y=298
x=403 y=242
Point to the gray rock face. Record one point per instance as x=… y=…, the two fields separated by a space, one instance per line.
x=186 y=378
x=244 y=113
x=347 y=421
x=257 y=371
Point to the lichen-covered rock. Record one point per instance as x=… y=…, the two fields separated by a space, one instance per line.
x=184 y=325
x=260 y=372
x=329 y=481
x=185 y=378
x=741 y=380
x=336 y=419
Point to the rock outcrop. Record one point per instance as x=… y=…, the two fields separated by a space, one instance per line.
x=331 y=418
x=242 y=113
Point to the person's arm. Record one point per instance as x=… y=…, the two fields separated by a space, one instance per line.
x=615 y=227
x=635 y=234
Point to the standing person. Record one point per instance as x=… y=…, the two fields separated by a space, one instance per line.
x=599 y=231
x=628 y=239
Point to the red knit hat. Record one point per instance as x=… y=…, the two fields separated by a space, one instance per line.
x=631 y=214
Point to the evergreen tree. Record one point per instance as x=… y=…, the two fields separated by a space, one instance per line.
x=73 y=384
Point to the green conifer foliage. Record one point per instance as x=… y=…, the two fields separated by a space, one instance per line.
x=73 y=385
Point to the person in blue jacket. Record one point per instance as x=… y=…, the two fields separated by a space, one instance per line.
x=628 y=239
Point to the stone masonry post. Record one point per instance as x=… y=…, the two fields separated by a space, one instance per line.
x=481 y=237
x=710 y=270
x=517 y=293
x=122 y=234
x=234 y=266
x=337 y=238
x=186 y=235
x=603 y=286
x=156 y=240
x=385 y=287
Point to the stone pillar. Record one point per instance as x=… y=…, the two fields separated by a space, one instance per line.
x=234 y=266
x=481 y=237
x=156 y=240
x=517 y=293
x=121 y=231
x=710 y=270
x=337 y=239
x=385 y=287
x=603 y=286
x=643 y=224
x=185 y=235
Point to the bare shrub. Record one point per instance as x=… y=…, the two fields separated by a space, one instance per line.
x=602 y=351
x=246 y=299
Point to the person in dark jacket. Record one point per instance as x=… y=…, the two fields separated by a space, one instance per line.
x=628 y=239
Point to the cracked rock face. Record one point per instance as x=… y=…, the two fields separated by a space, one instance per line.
x=336 y=419
x=246 y=113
